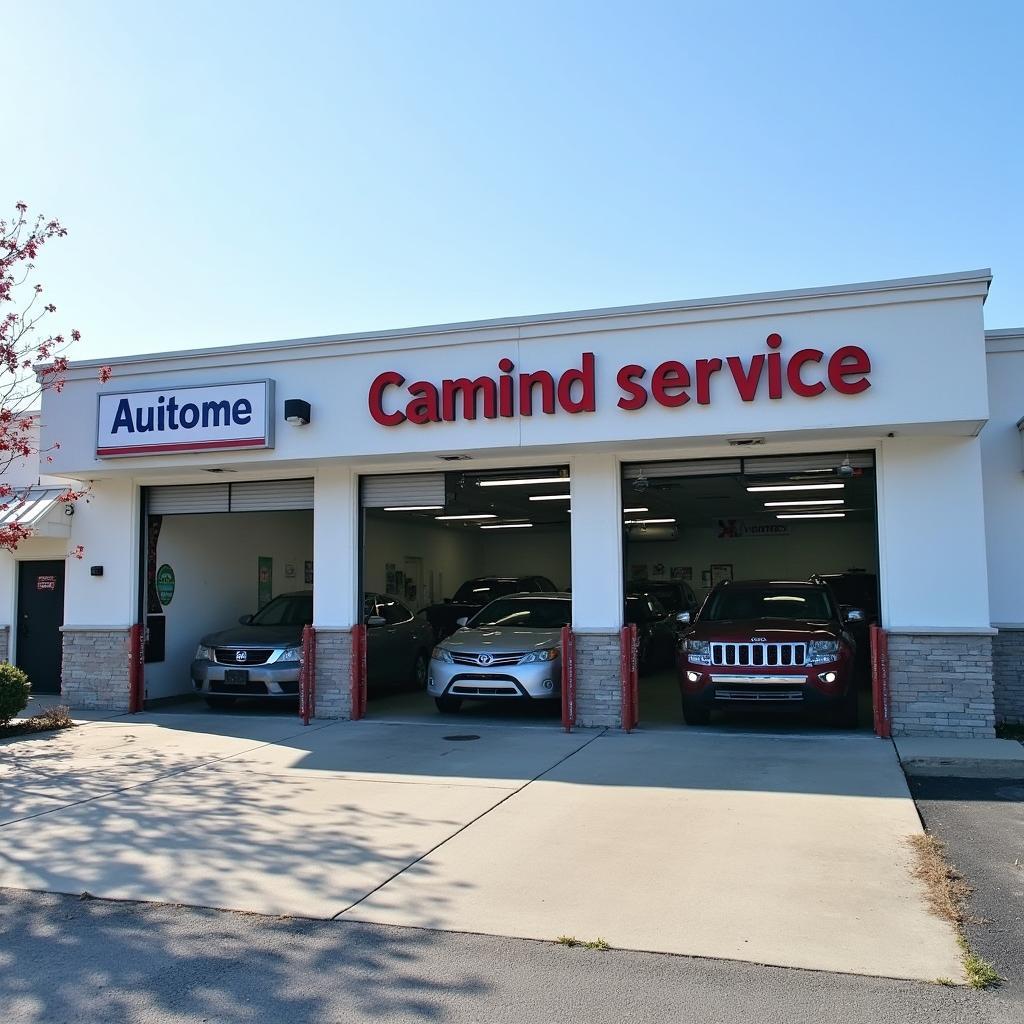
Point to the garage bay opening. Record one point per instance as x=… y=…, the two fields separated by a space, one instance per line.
x=752 y=583
x=465 y=579
x=226 y=587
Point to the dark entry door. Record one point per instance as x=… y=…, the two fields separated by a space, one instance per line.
x=40 y=616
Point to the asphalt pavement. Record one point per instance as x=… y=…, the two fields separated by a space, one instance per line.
x=63 y=959
x=981 y=821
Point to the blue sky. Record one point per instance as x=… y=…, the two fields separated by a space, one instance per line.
x=235 y=172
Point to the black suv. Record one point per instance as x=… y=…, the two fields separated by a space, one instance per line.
x=475 y=593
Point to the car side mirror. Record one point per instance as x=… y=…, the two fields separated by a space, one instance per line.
x=245 y=620
x=375 y=620
x=462 y=620
x=684 y=618
x=854 y=614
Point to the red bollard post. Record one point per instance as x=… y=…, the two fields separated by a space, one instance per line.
x=136 y=668
x=630 y=677
x=881 y=696
x=358 y=698
x=306 y=674
x=568 y=678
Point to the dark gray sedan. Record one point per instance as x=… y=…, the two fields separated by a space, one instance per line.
x=260 y=656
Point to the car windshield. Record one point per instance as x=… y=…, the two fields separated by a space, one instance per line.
x=482 y=591
x=286 y=610
x=640 y=608
x=769 y=603
x=525 y=613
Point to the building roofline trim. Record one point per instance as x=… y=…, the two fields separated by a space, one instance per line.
x=1010 y=339
x=981 y=276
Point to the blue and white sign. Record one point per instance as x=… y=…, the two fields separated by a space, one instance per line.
x=208 y=417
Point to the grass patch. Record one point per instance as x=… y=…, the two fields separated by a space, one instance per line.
x=1005 y=731
x=57 y=717
x=571 y=940
x=947 y=893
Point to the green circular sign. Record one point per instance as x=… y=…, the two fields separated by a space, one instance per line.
x=165 y=584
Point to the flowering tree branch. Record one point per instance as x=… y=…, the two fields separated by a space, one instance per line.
x=32 y=359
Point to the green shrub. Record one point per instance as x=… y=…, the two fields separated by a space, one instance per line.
x=14 y=691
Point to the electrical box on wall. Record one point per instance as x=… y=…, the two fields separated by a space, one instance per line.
x=1020 y=430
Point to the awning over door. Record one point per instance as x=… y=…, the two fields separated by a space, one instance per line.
x=38 y=509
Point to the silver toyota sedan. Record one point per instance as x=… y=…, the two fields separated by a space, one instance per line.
x=509 y=650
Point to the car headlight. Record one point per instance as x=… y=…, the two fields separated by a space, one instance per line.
x=549 y=654
x=204 y=653
x=698 y=651
x=821 y=651
x=291 y=654
x=442 y=654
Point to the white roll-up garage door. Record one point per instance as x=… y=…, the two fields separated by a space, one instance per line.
x=245 y=496
x=402 y=490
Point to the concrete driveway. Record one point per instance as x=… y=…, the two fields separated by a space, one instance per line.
x=785 y=850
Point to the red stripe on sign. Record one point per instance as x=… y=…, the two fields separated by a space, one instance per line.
x=184 y=446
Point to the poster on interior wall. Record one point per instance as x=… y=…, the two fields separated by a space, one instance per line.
x=390 y=578
x=720 y=572
x=309 y=573
x=658 y=571
x=289 y=570
x=638 y=571
x=705 y=578
x=265 y=577
x=681 y=572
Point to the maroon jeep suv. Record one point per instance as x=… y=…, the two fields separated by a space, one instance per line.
x=771 y=645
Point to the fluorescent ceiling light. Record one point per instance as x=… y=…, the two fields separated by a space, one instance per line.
x=508 y=526
x=474 y=515
x=644 y=522
x=795 y=487
x=523 y=480
x=810 y=515
x=550 y=497
x=791 y=504
x=638 y=509
x=412 y=508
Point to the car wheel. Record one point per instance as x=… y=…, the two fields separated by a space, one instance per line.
x=693 y=715
x=220 y=702
x=419 y=670
x=448 y=705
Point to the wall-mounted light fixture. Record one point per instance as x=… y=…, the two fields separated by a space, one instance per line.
x=296 y=412
x=69 y=510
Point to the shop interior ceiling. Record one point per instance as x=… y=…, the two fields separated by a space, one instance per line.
x=692 y=501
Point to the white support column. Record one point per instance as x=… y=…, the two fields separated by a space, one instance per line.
x=99 y=610
x=336 y=600
x=934 y=585
x=596 y=544
x=597 y=587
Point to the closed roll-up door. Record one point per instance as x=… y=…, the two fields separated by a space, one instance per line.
x=271 y=495
x=779 y=464
x=689 y=467
x=169 y=501
x=401 y=490
x=245 y=496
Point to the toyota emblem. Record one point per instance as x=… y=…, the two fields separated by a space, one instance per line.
x=241 y=655
x=484 y=659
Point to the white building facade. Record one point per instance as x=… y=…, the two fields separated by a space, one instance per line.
x=902 y=370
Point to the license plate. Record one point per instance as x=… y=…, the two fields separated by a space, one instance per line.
x=236 y=676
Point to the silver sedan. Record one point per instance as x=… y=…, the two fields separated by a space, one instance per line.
x=509 y=650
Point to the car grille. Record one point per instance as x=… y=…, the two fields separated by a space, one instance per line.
x=758 y=694
x=495 y=659
x=253 y=656
x=769 y=655
x=469 y=685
